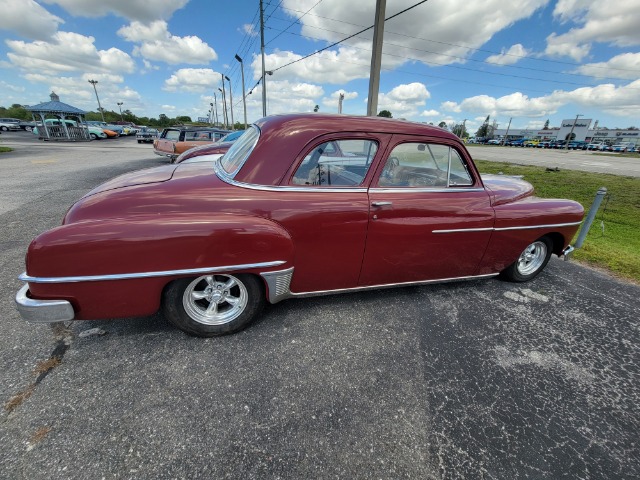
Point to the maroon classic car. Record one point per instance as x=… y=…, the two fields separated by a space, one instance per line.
x=300 y=205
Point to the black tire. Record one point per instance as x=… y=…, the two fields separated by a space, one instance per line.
x=188 y=302
x=93 y=136
x=139 y=141
x=4 y=129
x=531 y=262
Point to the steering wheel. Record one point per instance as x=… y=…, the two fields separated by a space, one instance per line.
x=392 y=164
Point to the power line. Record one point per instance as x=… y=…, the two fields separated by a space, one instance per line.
x=292 y=23
x=350 y=36
x=464 y=46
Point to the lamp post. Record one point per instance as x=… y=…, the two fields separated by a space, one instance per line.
x=233 y=124
x=566 y=145
x=224 y=106
x=120 y=107
x=215 y=107
x=244 y=100
x=94 y=83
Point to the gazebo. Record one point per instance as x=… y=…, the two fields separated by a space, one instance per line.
x=67 y=123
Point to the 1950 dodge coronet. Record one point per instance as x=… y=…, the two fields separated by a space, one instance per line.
x=300 y=205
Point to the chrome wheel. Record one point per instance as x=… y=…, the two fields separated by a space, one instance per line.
x=532 y=258
x=215 y=299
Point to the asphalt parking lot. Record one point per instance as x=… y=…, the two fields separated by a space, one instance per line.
x=482 y=379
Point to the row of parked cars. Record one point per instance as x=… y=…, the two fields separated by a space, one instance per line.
x=573 y=145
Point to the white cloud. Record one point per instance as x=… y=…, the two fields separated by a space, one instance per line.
x=509 y=57
x=404 y=100
x=600 y=22
x=335 y=67
x=616 y=100
x=193 y=80
x=67 y=52
x=450 y=107
x=430 y=113
x=249 y=29
x=626 y=65
x=140 y=10
x=156 y=43
x=28 y=19
x=430 y=33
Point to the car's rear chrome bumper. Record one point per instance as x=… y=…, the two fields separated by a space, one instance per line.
x=42 y=311
x=567 y=252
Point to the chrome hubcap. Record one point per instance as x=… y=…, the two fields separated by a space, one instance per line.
x=215 y=299
x=532 y=258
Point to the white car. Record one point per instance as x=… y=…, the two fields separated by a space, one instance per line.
x=7 y=124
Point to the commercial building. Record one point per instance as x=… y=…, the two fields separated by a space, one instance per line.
x=582 y=131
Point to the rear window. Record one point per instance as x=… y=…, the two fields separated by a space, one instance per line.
x=235 y=157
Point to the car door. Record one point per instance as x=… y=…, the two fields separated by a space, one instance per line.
x=430 y=217
x=325 y=209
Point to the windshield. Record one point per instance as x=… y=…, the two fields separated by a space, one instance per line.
x=235 y=157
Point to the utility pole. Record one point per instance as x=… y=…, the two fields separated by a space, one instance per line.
x=211 y=113
x=224 y=107
x=507 y=134
x=376 y=58
x=233 y=123
x=94 y=83
x=566 y=145
x=215 y=106
x=244 y=100
x=120 y=107
x=264 y=85
x=340 y=99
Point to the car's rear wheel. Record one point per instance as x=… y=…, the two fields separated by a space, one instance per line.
x=93 y=136
x=531 y=261
x=213 y=305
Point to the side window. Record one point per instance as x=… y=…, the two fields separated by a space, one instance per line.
x=172 y=135
x=336 y=163
x=425 y=165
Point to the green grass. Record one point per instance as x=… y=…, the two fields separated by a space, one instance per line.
x=5 y=149
x=617 y=247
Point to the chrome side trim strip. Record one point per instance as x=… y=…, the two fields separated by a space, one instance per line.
x=457 y=230
x=538 y=226
x=290 y=294
x=166 y=273
x=502 y=229
x=222 y=175
x=42 y=311
x=426 y=190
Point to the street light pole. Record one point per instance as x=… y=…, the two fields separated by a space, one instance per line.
x=566 y=145
x=233 y=123
x=94 y=83
x=211 y=114
x=120 y=107
x=244 y=100
x=224 y=106
x=264 y=85
x=215 y=107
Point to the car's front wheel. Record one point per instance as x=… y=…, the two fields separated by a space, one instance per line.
x=213 y=305
x=531 y=261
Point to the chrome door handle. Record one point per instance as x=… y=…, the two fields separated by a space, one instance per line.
x=380 y=204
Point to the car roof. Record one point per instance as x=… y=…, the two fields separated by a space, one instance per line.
x=282 y=137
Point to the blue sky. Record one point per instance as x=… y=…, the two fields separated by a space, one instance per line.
x=444 y=60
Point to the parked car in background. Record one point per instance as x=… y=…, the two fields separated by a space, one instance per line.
x=146 y=135
x=209 y=153
x=300 y=205
x=175 y=140
x=118 y=129
x=595 y=146
x=531 y=143
x=544 y=144
x=576 y=145
x=623 y=147
x=494 y=141
x=517 y=143
x=7 y=124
